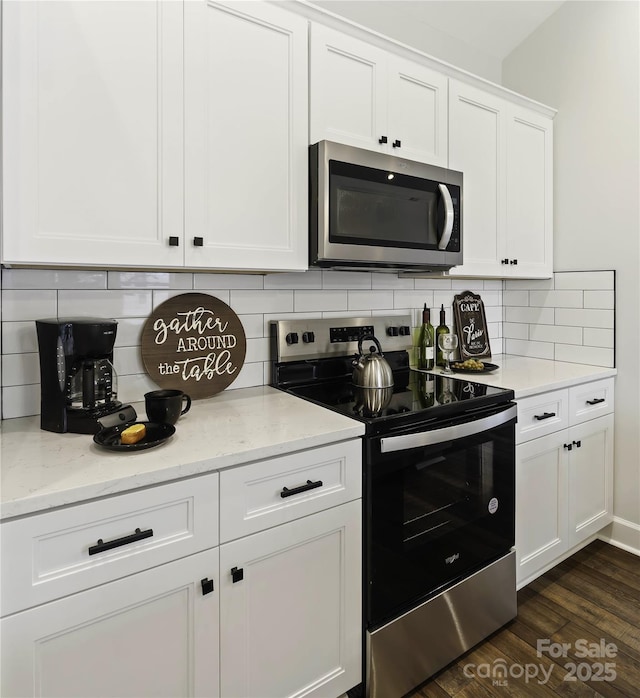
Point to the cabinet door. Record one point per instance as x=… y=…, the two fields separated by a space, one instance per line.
x=541 y=503
x=92 y=132
x=477 y=148
x=417 y=112
x=590 y=478
x=529 y=242
x=348 y=90
x=291 y=626
x=246 y=129
x=151 y=634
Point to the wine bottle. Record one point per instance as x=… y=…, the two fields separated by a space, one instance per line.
x=441 y=329
x=426 y=354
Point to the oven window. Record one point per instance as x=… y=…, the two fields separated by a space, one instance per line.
x=368 y=208
x=435 y=514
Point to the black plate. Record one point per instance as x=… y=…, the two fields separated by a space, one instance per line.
x=156 y=434
x=488 y=368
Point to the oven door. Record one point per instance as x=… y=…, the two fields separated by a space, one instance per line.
x=439 y=506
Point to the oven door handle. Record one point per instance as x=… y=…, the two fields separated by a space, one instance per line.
x=437 y=436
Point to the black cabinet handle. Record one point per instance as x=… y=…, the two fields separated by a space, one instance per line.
x=198 y=242
x=286 y=492
x=545 y=415
x=207 y=586
x=174 y=241
x=569 y=447
x=577 y=444
x=397 y=143
x=595 y=401
x=101 y=546
x=237 y=574
x=382 y=139
x=504 y=261
x=513 y=261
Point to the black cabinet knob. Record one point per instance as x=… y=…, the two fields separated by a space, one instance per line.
x=513 y=261
x=382 y=139
x=198 y=242
x=237 y=574
x=397 y=143
x=207 y=585
x=174 y=241
x=504 y=261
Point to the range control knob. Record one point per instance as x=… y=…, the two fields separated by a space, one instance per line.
x=308 y=337
x=405 y=330
x=292 y=338
x=392 y=331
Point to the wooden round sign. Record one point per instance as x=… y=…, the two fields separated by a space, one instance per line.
x=195 y=343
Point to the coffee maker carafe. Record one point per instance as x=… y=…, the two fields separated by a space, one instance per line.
x=78 y=383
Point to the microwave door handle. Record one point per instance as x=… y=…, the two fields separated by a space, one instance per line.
x=449 y=216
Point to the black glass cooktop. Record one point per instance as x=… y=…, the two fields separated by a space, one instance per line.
x=416 y=396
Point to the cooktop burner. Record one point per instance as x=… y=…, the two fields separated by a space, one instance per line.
x=313 y=360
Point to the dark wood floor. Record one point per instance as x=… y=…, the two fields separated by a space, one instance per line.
x=590 y=602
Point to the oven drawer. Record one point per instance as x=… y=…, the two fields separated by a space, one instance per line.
x=60 y=552
x=267 y=493
x=590 y=400
x=542 y=414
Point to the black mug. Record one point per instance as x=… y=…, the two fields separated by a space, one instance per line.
x=165 y=406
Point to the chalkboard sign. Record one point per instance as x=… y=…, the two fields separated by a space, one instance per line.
x=471 y=326
x=195 y=343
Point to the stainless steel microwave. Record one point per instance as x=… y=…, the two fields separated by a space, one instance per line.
x=369 y=210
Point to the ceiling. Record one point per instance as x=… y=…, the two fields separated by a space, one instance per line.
x=493 y=27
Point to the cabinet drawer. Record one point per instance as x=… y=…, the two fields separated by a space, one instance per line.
x=50 y=555
x=271 y=492
x=590 y=400
x=542 y=414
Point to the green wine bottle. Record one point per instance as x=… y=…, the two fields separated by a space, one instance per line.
x=441 y=329
x=426 y=355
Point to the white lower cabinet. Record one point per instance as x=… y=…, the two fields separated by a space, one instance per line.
x=290 y=600
x=564 y=479
x=151 y=634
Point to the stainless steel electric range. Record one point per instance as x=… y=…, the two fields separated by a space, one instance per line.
x=438 y=495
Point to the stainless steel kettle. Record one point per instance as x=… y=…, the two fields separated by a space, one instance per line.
x=371 y=370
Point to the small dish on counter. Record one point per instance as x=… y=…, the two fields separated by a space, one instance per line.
x=155 y=435
x=457 y=367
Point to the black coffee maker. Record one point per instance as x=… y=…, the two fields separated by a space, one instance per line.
x=78 y=384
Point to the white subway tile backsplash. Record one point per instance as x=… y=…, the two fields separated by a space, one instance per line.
x=493 y=313
x=491 y=298
x=492 y=284
x=538 y=350
x=435 y=284
x=20 y=400
x=321 y=300
x=584 y=317
x=370 y=300
x=294 y=280
x=160 y=296
x=532 y=316
x=28 y=305
x=516 y=298
x=583 y=280
x=584 y=355
x=556 y=333
x=385 y=280
x=127 y=361
x=249 y=376
x=150 y=279
x=20 y=369
x=416 y=299
x=514 y=330
x=598 y=338
x=204 y=282
x=599 y=299
x=53 y=279
x=253 y=325
x=272 y=301
x=129 y=331
x=257 y=350
x=346 y=279
x=19 y=337
x=105 y=304
x=528 y=284
x=556 y=299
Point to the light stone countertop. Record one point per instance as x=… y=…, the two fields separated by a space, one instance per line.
x=528 y=376
x=41 y=469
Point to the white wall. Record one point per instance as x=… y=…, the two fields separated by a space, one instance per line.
x=395 y=19
x=585 y=61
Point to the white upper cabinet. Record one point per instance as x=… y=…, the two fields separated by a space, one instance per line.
x=367 y=97
x=92 y=132
x=246 y=137
x=106 y=103
x=506 y=154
